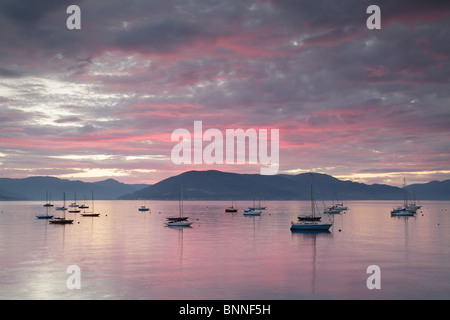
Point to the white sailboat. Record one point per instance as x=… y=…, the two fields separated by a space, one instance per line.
x=181 y=220
x=63 y=208
x=337 y=207
x=310 y=222
x=258 y=207
x=252 y=212
x=413 y=207
x=403 y=211
x=83 y=206
x=73 y=207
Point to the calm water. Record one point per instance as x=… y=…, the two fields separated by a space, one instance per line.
x=127 y=254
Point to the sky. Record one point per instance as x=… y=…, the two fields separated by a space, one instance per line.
x=367 y=105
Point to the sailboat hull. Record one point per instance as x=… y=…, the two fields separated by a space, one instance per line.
x=44 y=217
x=311 y=226
x=90 y=214
x=61 y=221
x=402 y=213
x=252 y=213
x=178 y=224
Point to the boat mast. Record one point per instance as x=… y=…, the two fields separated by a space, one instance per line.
x=181 y=202
x=64 y=205
x=312 y=201
x=404 y=192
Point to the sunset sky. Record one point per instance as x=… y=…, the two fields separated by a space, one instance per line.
x=102 y=102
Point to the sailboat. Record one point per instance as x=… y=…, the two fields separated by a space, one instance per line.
x=63 y=208
x=73 y=208
x=310 y=222
x=252 y=212
x=332 y=210
x=91 y=214
x=59 y=220
x=179 y=221
x=337 y=207
x=47 y=203
x=413 y=207
x=83 y=206
x=258 y=207
x=143 y=208
x=403 y=211
x=46 y=216
x=232 y=208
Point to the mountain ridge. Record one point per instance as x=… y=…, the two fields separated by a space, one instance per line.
x=219 y=185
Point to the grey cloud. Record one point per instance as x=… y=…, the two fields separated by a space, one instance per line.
x=8 y=73
x=165 y=35
x=28 y=12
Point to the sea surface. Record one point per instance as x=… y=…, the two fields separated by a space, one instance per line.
x=128 y=254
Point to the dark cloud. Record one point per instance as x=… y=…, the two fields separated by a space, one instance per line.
x=29 y=12
x=165 y=35
x=7 y=73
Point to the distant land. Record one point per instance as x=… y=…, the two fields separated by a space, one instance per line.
x=36 y=188
x=218 y=185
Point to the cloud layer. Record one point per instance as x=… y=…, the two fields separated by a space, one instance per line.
x=370 y=105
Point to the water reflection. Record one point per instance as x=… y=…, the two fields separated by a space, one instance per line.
x=308 y=239
x=224 y=255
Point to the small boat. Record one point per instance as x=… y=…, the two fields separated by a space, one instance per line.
x=63 y=208
x=90 y=214
x=47 y=203
x=144 y=208
x=413 y=207
x=311 y=225
x=47 y=216
x=44 y=217
x=252 y=212
x=340 y=206
x=310 y=222
x=181 y=220
x=177 y=218
x=74 y=204
x=232 y=208
x=178 y=223
x=83 y=206
x=258 y=207
x=332 y=210
x=308 y=218
x=63 y=220
x=404 y=210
